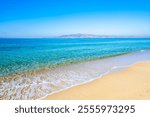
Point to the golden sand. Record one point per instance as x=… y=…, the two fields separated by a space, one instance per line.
x=129 y=84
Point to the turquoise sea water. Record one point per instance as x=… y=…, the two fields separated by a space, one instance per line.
x=21 y=55
x=34 y=68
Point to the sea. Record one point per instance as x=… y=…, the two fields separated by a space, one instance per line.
x=32 y=68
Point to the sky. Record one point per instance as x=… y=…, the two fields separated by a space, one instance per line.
x=46 y=18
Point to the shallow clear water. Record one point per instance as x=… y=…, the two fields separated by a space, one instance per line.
x=34 y=68
x=21 y=55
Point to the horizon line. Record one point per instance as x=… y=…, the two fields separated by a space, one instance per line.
x=96 y=36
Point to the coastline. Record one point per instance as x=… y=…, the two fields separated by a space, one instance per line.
x=48 y=82
x=132 y=83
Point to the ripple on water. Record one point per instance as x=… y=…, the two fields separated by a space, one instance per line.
x=40 y=84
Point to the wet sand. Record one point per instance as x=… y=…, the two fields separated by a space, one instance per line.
x=132 y=83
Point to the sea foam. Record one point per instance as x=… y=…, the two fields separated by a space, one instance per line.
x=46 y=82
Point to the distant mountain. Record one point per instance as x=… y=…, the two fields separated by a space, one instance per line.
x=79 y=36
x=91 y=36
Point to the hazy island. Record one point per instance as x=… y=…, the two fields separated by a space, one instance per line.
x=79 y=35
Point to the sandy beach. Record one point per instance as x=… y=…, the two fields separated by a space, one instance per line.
x=132 y=83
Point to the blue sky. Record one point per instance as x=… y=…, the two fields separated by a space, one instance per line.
x=45 y=18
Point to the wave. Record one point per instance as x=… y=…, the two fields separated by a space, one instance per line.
x=36 y=85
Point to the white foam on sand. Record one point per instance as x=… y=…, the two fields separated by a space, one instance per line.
x=51 y=81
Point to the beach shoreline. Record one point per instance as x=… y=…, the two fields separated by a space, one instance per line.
x=53 y=81
x=28 y=71
x=132 y=83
